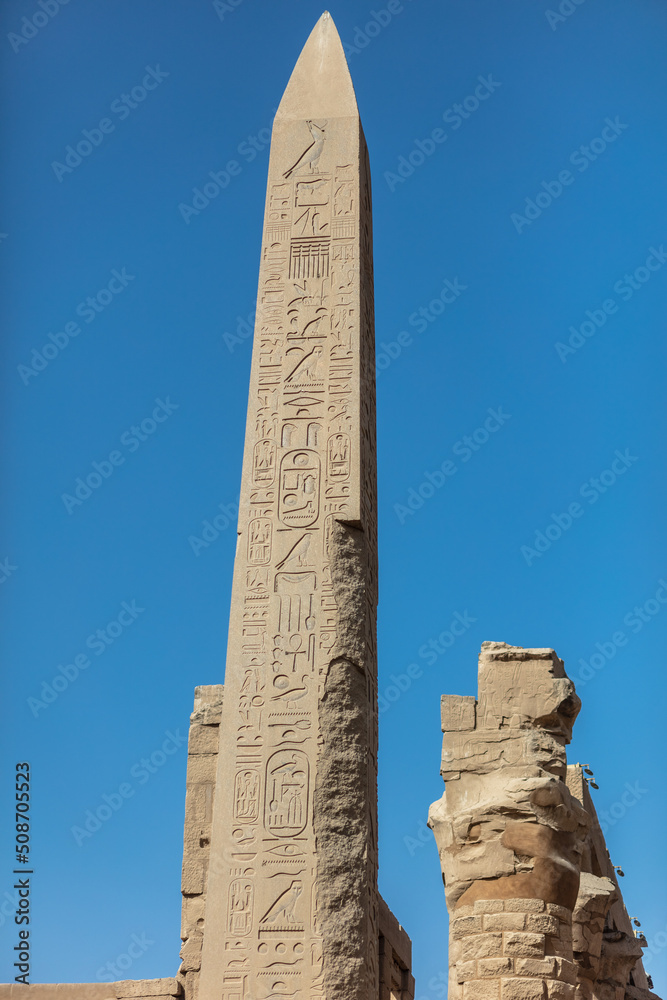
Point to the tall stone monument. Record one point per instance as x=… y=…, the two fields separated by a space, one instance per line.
x=292 y=902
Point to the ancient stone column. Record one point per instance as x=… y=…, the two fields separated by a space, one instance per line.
x=510 y=833
x=291 y=899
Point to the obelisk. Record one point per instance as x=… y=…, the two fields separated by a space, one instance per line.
x=291 y=903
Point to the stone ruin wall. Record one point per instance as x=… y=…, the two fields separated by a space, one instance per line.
x=535 y=908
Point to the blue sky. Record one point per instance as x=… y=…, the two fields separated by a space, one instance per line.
x=540 y=202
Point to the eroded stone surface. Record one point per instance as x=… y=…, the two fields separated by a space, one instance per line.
x=535 y=909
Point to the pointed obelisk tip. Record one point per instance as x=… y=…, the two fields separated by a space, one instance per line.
x=320 y=85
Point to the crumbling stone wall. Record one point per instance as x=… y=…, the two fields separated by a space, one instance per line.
x=515 y=830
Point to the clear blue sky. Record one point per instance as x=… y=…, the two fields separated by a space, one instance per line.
x=167 y=285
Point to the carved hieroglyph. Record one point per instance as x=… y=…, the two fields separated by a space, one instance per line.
x=291 y=908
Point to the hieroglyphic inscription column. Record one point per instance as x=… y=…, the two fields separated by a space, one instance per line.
x=292 y=909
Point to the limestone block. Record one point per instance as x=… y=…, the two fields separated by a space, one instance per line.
x=505 y=922
x=559 y=991
x=542 y=923
x=495 y=967
x=524 y=945
x=465 y=911
x=559 y=911
x=524 y=905
x=192 y=879
x=486 y=906
x=146 y=988
x=522 y=989
x=535 y=966
x=203 y=739
x=466 y=971
x=481 y=946
x=566 y=971
x=202 y=767
x=461 y=926
x=482 y=989
x=457 y=713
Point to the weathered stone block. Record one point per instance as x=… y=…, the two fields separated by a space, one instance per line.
x=504 y=921
x=489 y=905
x=457 y=712
x=524 y=905
x=192 y=879
x=462 y=926
x=481 y=989
x=524 y=945
x=481 y=946
x=495 y=967
x=203 y=739
x=142 y=988
x=559 y=911
x=463 y=911
x=535 y=966
x=202 y=767
x=466 y=971
x=566 y=971
x=522 y=989
x=559 y=991
x=542 y=923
